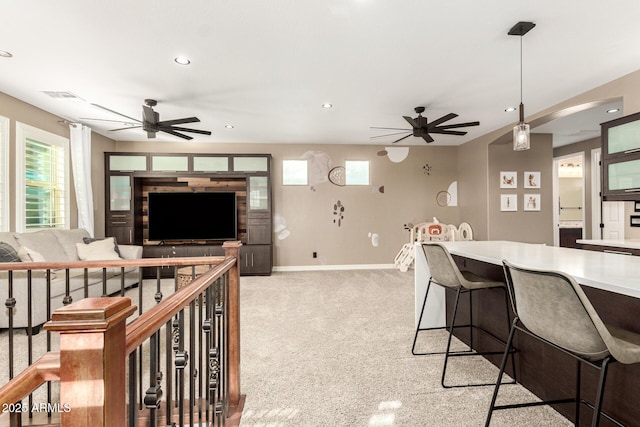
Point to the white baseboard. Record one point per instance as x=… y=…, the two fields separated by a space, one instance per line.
x=333 y=267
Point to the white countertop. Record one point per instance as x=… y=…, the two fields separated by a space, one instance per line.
x=628 y=243
x=611 y=272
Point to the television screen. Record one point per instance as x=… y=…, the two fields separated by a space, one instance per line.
x=192 y=216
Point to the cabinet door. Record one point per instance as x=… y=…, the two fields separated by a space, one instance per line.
x=127 y=162
x=120 y=190
x=251 y=163
x=621 y=136
x=122 y=234
x=210 y=163
x=255 y=259
x=259 y=229
x=621 y=179
x=169 y=163
x=258 y=193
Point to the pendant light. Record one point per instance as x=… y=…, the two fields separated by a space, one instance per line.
x=521 y=131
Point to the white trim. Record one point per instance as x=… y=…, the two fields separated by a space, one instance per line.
x=283 y=268
x=4 y=170
x=596 y=198
x=24 y=131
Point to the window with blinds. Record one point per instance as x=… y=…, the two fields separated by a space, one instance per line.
x=4 y=174
x=43 y=183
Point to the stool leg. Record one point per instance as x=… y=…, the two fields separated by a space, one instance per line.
x=508 y=311
x=451 y=327
x=599 y=396
x=502 y=366
x=578 y=386
x=424 y=303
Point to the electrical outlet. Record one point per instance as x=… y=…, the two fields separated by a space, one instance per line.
x=315 y=255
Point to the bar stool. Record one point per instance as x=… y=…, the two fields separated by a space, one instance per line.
x=551 y=307
x=445 y=273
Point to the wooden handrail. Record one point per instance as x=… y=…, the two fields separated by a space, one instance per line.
x=46 y=368
x=139 y=330
x=138 y=262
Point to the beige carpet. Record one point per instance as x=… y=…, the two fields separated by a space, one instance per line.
x=333 y=348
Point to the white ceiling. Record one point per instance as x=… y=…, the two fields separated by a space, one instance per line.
x=267 y=66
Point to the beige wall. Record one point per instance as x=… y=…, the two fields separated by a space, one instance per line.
x=472 y=184
x=521 y=225
x=409 y=197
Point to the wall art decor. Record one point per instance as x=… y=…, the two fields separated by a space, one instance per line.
x=531 y=179
x=508 y=179
x=531 y=202
x=338 y=213
x=508 y=202
x=426 y=169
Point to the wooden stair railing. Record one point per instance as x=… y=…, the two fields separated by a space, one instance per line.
x=95 y=342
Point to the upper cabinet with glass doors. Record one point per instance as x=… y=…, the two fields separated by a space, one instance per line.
x=621 y=159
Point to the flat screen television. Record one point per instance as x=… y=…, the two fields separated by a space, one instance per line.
x=192 y=216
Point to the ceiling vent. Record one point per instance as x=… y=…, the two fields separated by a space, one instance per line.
x=60 y=94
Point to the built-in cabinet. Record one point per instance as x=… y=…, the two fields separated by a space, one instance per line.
x=130 y=177
x=621 y=159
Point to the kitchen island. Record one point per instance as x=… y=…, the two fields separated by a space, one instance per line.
x=612 y=284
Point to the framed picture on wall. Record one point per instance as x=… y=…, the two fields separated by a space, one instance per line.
x=531 y=202
x=508 y=179
x=508 y=202
x=531 y=179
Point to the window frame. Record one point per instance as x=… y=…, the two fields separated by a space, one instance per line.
x=5 y=214
x=24 y=132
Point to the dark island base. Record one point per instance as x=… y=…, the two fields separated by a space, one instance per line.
x=545 y=371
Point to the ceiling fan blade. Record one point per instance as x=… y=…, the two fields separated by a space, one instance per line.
x=375 y=127
x=115 y=112
x=442 y=119
x=428 y=138
x=458 y=125
x=411 y=121
x=398 y=140
x=149 y=115
x=110 y=121
x=389 y=134
x=125 y=128
x=447 y=132
x=202 y=132
x=171 y=132
x=179 y=121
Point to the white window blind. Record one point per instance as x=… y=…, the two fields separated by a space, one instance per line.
x=42 y=180
x=4 y=174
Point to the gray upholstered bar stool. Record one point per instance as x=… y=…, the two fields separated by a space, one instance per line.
x=445 y=272
x=551 y=307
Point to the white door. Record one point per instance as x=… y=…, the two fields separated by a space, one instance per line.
x=612 y=212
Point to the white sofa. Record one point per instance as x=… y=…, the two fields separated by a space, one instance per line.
x=56 y=245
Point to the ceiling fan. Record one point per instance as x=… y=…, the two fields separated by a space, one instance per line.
x=422 y=128
x=151 y=123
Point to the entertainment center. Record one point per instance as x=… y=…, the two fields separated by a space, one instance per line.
x=189 y=204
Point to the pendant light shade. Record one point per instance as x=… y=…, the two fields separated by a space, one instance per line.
x=521 y=131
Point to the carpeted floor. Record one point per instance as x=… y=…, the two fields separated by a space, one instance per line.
x=333 y=348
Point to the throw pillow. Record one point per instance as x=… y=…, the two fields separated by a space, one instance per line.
x=29 y=255
x=8 y=253
x=88 y=240
x=100 y=250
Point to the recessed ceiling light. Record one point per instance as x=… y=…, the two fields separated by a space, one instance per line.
x=510 y=109
x=229 y=126
x=327 y=105
x=5 y=54
x=182 y=60
x=613 y=110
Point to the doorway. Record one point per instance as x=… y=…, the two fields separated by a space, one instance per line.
x=607 y=218
x=569 y=199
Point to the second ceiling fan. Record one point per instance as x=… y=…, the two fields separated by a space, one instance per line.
x=422 y=128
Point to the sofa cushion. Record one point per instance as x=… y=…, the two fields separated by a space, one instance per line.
x=68 y=240
x=88 y=240
x=29 y=255
x=7 y=237
x=98 y=250
x=46 y=243
x=8 y=253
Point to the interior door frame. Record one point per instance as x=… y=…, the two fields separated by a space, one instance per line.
x=556 y=194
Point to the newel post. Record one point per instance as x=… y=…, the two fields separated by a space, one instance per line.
x=232 y=249
x=92 y=360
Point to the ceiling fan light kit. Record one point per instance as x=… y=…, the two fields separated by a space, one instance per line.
x=521 y=131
